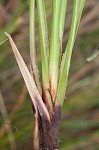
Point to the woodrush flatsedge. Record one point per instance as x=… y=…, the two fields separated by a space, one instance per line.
x=47 y=97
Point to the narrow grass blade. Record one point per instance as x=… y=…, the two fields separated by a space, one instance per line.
x=62 y=20
x=32 y=45
x=54 y=48
x=3 y=41
x=32 y=89
x=43 y=41
x=65 y=65
x=44 y=45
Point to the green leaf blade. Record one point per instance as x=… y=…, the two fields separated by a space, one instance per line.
x=43 y=41
x=54 y=48
x=62 y=18
x=65 y=64
x=32 y=45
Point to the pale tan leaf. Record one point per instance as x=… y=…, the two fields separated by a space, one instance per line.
x=30 y=84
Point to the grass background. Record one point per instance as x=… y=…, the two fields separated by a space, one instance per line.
x=80 y=116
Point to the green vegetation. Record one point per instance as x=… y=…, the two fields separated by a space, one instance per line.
x=79 y=125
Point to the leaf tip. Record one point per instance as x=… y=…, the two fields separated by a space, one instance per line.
x=7 y=34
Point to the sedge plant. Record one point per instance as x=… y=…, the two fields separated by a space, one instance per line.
x=47 y=96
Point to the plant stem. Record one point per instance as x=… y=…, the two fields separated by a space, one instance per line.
x=54 y=48
x=32 y=45
x=65 y=64
x=43 y=41
x=62 y=21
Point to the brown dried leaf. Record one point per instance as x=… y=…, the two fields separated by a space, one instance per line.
x=30 y=84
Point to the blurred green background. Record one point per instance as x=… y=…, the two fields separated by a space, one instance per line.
x=80 y=116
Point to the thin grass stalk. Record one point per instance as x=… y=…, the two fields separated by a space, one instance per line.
x=44 y=46
x=34 y=69
x=43 y=41
x=62 y=22
x=54 y=48
x=65 y=65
